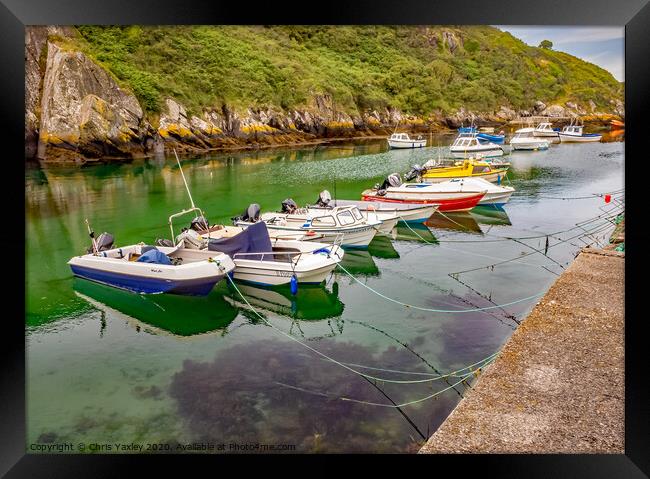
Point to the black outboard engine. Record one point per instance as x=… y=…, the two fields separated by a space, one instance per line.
x=199 y=223
x=415 y=172
x=289 y=206
x=393 y=180
x=104 y=242
x=324 y=199
x=164 y=242
x=252 y=214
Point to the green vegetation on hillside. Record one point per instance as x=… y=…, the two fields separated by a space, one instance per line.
x=409 y=68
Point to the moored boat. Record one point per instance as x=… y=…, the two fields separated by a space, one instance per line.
x=574 y=134
x=435 y=171
x=525 y=139
x=545 y=130
x=344 y=225
x=403 y=140
x=149 y=269
x=448 y=196
x=404 y=212
x=496 y=195
x=468 y=144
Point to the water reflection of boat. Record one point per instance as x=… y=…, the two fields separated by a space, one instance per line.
x=381 y=246
x=360 y=262
x=461 y=221
x=162 y=313
x=309 y=303
x=416 y=232
x=490 y=215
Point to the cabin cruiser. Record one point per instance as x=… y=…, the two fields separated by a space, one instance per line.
x=403 y=140
x=525 y=139
x=574 y=133
x=546 y=131
x=342 y=225
x=468 y=144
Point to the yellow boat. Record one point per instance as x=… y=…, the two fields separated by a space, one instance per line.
x=464 y=169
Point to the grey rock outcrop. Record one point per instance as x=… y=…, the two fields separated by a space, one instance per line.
x=82 y=107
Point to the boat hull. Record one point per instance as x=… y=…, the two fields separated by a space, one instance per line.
x=495 y=199
x=445 y=202
x=496 y=139
x=404 y=144
x=310 y=269
x=579 y=139
x=139 y=284
x=459 y=152
x=493 y=176
x=530 y=145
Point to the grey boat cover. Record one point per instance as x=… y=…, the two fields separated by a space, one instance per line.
x=254 y=239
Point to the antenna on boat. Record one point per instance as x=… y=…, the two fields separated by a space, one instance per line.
x=184 y=181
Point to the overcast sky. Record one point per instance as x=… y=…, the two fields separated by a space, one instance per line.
x=603 y=46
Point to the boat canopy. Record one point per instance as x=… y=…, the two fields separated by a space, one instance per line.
x=254 y=239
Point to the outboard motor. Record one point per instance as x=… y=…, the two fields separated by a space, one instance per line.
x=191 y=239
x=252 y=214
x=415 y=172
x=199 y=223
x=164 y=242
x=289 y=206
x=104 y=242
x=324 y=199
x=393 y=180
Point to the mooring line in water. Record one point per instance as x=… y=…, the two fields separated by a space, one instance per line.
x=359 y=373
x=370 y=403
x=434 y=310
x=581 y=235
x=589 y=197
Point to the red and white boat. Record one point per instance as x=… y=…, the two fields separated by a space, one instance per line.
x=449 y=196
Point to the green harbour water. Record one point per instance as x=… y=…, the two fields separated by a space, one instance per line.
x=106 y=366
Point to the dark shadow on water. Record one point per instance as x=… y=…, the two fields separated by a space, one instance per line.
x=248 y=394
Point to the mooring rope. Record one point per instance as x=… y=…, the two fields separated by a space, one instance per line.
x=370 y=403
x=323 y=355
x=434 y=310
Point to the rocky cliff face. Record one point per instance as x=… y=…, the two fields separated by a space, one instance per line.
x=75 y=111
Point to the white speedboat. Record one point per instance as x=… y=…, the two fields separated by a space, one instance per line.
x=496 y=195
x=574 y=134
x=150 y=269
x=403 y=140
x=446 y=195
x=525 y=139
x=467 y=145
x=410 y=213
x=258 y=258
x=344 y=225
x=546 y=131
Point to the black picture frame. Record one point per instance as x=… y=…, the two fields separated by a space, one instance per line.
x=633 y=14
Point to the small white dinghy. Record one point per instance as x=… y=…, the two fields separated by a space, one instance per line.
x=409 y=213
x=525 y=139
x=260 y=259
x=344 y=225
x=150 y=269
x=403 y=140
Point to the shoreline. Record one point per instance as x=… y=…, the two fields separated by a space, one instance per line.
x=557 y=385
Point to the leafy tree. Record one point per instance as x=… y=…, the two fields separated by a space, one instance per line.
x=546 y=44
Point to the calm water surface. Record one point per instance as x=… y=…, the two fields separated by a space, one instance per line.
x=106 y=366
